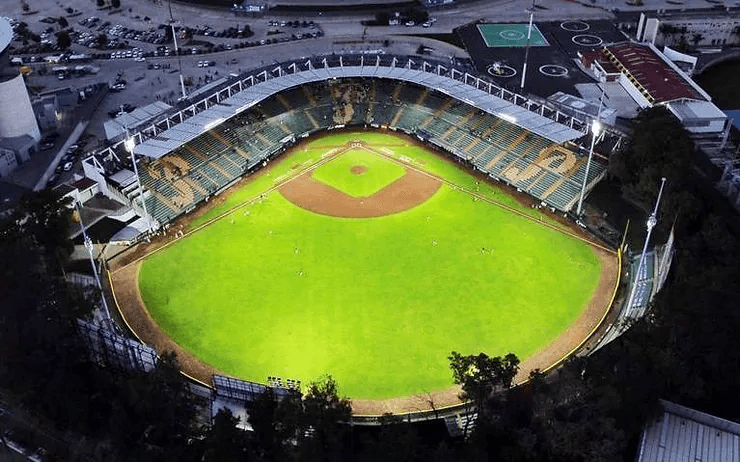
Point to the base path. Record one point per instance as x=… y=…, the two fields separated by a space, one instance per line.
x=403 y=194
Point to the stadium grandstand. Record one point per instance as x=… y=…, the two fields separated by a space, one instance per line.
x=206 y=147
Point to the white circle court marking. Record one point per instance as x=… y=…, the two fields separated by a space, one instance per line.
x=574 y=26
x=587 y=40
x=553 y=70
x=503 y=71
x=511 y=34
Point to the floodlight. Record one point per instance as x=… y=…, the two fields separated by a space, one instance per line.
x=596 y=127
x=129 y=144
x=212 y=124
x=507 y=117
x=244 y=108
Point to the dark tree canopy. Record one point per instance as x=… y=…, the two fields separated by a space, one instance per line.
x=659 y=147
x=64 y=40
x=481 y=375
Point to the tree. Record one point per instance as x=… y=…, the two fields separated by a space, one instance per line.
x=659 y=147
x=100 y=3
x=696 y=38
x=62 y=21
x=115 y=3
x=225 y=441
x=64 y=40
x=309 y=427
x=382 y=18
x=276 y=424
x=397 y=440
x=481 y=375
x=102 y=41
x=327 y=415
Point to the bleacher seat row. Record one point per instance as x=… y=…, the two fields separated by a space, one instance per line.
x=180 y=180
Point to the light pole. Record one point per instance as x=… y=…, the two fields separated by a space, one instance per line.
x=129 y=144
x=595 y=130
x=89 y=247
x=177 y=52
x=526 y=51
x=652 y=221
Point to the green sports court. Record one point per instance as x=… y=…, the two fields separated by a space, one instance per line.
x=511 y=35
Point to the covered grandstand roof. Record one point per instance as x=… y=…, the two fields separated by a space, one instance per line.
x=682 y=433
x=657 y=79
x=134 y=120
x=476 y=94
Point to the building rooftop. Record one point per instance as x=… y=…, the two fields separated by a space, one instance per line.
x=6 y=34
x=84 y=183
x=135 y=119
x=682 y=433
x=655 y=78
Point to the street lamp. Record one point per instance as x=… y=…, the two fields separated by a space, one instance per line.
x=652 y=221
x=595 y=130
x=129 y=144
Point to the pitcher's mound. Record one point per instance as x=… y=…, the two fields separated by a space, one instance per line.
x=358 y=169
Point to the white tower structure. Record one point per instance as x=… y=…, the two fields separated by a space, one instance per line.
x=16 y=114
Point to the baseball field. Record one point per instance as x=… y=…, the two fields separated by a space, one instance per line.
x=364 y=256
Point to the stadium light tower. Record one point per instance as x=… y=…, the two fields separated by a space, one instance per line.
x=89 y=247
x=526 y=51
x=595 y=130
x=177 y=51
x=129 y=144
x=652 y=221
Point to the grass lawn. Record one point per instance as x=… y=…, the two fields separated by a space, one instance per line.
x=378 y=303
x=378 y=173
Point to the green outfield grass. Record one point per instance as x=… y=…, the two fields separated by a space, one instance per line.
x=378 y=303
x=379 y=173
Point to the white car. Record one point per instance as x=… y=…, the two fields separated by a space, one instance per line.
x=67 y=166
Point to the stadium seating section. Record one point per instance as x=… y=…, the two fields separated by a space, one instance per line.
x=552 y=173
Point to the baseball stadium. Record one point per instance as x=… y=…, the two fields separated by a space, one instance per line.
x=361 y=218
